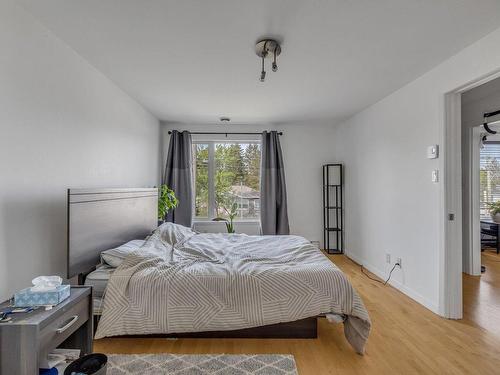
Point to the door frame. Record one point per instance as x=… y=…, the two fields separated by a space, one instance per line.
x=450 y=277
x=474 y=266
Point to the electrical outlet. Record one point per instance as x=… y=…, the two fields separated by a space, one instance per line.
x=387 y=258
x=400 y=262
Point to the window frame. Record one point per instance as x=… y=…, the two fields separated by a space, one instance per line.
x=211 y=177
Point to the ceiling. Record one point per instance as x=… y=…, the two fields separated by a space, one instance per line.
x=193 y=61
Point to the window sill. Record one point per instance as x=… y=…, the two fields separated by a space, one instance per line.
x=246 y=227
x=209 y=221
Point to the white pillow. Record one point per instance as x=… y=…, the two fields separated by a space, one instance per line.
x=114 y=257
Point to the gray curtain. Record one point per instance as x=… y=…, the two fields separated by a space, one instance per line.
x=273 y=207
x=178 y=176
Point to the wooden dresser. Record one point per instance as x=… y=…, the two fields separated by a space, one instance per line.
x=29 y=337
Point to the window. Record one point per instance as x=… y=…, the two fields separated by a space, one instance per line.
x=227 y=178
x=489 y=176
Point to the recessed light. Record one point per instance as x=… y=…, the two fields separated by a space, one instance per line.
x=224 y=119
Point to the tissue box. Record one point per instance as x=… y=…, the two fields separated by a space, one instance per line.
x=26 y=297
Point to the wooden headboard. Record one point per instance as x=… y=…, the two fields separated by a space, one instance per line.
x=100 y=219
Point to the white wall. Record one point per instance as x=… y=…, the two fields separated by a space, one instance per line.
x=392 y=205
x=306 y=147
x=475 y=102
x=63 y=124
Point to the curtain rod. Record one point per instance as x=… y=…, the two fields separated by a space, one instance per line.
x=224 y=133
x=490 y=114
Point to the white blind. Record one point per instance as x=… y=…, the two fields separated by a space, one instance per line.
x=489 y=176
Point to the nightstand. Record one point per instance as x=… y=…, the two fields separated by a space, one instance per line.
x=29 y=337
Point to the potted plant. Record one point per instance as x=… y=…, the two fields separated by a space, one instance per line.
x=494 y=209
x=166 y=201
x=231 y=214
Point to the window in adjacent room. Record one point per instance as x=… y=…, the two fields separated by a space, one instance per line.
x=489 y=176
x=227 y=174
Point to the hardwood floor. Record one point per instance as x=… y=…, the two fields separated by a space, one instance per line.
x=482 y=294
x=406 y=338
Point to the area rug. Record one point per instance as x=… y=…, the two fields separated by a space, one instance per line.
x=201 y=364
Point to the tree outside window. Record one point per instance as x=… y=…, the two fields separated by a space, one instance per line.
x=227 y=173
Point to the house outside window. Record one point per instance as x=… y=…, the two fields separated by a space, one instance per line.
x=227 y=174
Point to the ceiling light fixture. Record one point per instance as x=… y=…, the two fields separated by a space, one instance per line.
x=264 y=49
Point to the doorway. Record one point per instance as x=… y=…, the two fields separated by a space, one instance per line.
x=480 y=192
x=456 y=199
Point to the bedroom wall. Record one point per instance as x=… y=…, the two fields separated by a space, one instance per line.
x=392 y=204
x=63 y=124
x=306 y=147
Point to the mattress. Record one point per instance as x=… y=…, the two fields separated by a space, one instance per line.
x=97 y=305
x=98 y=279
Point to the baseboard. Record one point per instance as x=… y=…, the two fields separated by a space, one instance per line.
x=396 y=284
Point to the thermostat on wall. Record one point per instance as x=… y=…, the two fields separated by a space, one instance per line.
x=433 y=152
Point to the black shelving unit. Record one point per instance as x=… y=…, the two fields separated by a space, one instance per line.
x=333 y=210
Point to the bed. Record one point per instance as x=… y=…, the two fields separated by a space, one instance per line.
x=304 y=328
x=182 y=283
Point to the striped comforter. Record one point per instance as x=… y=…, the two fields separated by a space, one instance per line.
x=208 y=282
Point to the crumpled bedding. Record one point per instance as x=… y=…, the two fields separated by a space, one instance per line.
x=181 y=281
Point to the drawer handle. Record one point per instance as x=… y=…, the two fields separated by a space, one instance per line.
x=67 y=325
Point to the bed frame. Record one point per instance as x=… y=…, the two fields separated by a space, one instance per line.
x=300 y=329
x=100 y=219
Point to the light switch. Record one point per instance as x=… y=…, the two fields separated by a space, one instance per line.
x=435 y=175
x=433 y=152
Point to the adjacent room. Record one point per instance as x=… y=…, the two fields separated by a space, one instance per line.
x=249 y=187
x=480 y=200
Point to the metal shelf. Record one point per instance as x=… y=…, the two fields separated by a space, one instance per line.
x=333 y=234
